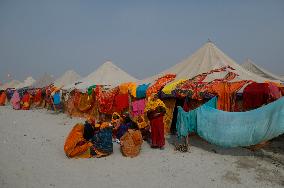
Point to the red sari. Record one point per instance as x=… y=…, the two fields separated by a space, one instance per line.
x=157 y=130
x=3 y=98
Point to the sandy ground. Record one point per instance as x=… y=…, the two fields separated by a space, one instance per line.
x=31 y=155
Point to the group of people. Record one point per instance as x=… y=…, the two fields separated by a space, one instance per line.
x=23 y=99
x=96 y=138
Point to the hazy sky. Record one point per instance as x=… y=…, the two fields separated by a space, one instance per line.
x=142 y=37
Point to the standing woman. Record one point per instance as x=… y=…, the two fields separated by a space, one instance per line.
x=156 y=109
x=3 y=97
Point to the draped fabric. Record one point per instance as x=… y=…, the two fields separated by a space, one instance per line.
x=86 y=102
x=121 y=102
x=196 y=88
x=257 y=94
x=169 y=88
x=128 y=87
x=15 y=100
x=226 y=93
x=105 y=99
x=187 y=121
x=233 y=129
x=75 y=144
x=138 y=107
x=170 y=106
x=159 y=84
x=3 y=97
x=141 y=91
x=153 y=104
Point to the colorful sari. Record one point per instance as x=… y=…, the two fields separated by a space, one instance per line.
x=26 y=101
x=15 y=100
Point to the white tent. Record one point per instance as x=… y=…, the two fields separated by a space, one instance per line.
x=207 y=58
x=43 y=81
x=11 y=84
x=107 y=74
x=252 y=67
x=29 y=81
x=67 y=78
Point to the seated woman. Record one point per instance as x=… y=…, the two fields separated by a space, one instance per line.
x=3 y=97
x=131 y=142
x=26 y=101
x=102 y=140
x=77 y=144
x=116 y=121
x=122 y=129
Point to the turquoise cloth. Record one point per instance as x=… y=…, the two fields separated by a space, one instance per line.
x=56 y=98
x=233 y=129
x=141 y=91
x=187 y=121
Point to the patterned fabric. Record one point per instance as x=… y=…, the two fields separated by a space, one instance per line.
x=102 y=142
x=105 y=99
x=153 y=104
x=196 y=88
x=159 y=84
x=169 y=88
x=138 y=107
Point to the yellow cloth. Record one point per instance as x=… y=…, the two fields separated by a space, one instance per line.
x=141 y=123
x=152 y=104
x=171 y=86
x=170 y=106
x=130 y=86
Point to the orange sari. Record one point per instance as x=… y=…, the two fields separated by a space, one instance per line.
x=75 y=145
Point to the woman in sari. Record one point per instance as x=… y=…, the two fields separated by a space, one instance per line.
x=3 y=97
x=26 y=101
x=155 y=109
x=38 y=98
x=16 y=100
x=77 y=144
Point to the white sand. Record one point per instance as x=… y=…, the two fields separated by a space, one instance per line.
x=31 y=155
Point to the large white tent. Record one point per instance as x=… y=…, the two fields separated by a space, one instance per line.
x=29 y=81
x=43 y=81
x=10 y=84
x=107 y=74
x=252 y=67
x=207 y=58
x=67 y=78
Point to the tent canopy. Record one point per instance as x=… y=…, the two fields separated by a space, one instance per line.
x=67 y=78
x=252 y=67
x=11 y=84
x=29 y=81
x=107 y=74
x=207 y=58
x=43 y=81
